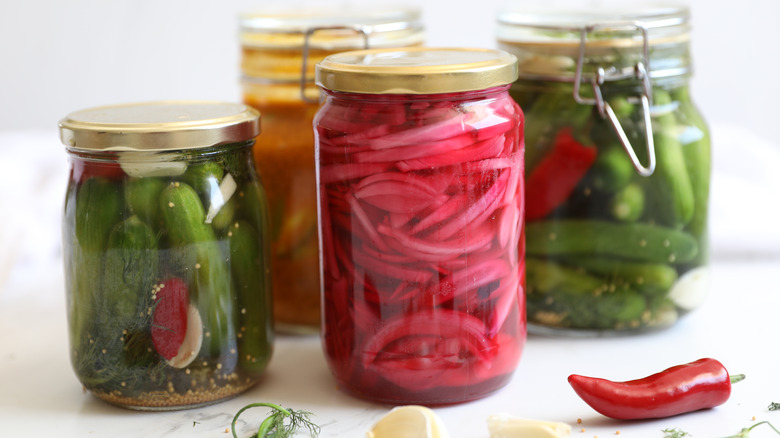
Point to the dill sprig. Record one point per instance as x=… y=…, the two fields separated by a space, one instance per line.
x=280 y=423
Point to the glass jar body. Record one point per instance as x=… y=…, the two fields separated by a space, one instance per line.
x=166 y=275
x=610 y=250
x=284 y=156
x=420 y=212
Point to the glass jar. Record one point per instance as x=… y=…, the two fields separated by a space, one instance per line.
x=617 y=166
x=420 y=176
x=166 y=253
x=280 y=49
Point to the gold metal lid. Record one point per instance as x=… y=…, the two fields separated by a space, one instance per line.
x=338 y=28
x=416 y=70
x=159 y=126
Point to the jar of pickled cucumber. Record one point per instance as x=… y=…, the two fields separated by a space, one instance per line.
x=166 y=253
x=279 y=52
x=420 y=175
x=617 y=167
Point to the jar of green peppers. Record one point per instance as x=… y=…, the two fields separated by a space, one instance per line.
x=166 y=253
x=617 y=168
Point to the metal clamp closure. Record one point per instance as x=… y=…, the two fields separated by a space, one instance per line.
x=640 y=72
x=364 y=31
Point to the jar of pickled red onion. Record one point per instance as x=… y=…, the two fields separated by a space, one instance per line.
x=419 y=158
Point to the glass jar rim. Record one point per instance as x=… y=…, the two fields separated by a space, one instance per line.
x=158 y=126
x=610 y=28
x=416 y=70
x=331 y=28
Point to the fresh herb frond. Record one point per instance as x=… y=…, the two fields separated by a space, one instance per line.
x=274 y=425
x=774 y=406
x=745 y=432
x=675 y=433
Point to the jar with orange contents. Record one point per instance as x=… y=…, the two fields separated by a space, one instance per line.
x=279 y=52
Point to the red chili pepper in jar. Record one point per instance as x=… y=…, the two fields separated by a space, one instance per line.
x=702 y=384
x=552 y=181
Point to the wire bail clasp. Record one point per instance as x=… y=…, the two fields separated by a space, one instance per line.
x=640 y=72
x=364 y=31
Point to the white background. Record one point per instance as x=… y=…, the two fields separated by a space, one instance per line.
x=59 y=56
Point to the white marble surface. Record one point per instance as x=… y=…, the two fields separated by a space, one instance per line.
x=40 y=396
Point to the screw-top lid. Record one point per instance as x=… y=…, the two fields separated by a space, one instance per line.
x=159 y=126
x=417 y=70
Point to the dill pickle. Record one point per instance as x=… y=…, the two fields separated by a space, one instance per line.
x=226 y=215
x=696 y=144
x=130 y=268
x=143 y=198
x=210 y=281
x=634 y=241
x=627 y=205
x=249 y=265
x=612 y=169
x=669 y=188
x=204 y=177
x=97 y=208
x=567 y=297
x=649 y=278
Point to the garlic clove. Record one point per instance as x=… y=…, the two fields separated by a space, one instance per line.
x=507 y=426
x=227 y=187
x=691 y=289
x=193 y=340
x=409 y=422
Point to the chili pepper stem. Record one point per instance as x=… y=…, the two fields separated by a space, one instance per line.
x=737 y=378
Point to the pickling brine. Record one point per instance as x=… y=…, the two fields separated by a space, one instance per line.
x=165 y=252
x=618 y=169
x=279 y=51
x=421 y=212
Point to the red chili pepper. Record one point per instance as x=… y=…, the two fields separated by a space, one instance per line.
x=555 y=177
x=169 y=325
x=702 y=384
x=83 y=169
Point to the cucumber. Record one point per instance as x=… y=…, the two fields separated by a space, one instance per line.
x=209 y=275
x=226 y=215
x=697 y=150
x=670 y=186
x=251 y=275
x=204 y=177
x=649 y=278
x=253 y=204
x=143 y=198
x=130 y=268
x=578 y=299
x=612 y=169
x=633 y=241
x=545 y=276
x=97 y=206
x=628 y=204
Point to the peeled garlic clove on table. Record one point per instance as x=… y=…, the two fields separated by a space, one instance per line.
x=506 y=426
x=409 y=422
